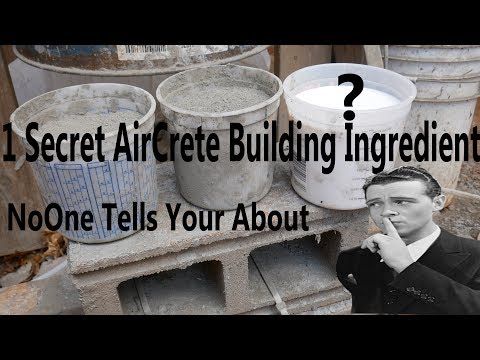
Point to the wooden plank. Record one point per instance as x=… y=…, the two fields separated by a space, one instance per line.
x=16 y=186
x=291 y=58
x=276 y=60
x=349 y=54
x=373 y=55
x=8 y=54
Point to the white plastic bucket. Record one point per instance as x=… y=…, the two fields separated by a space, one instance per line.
x=445 y=62
x=448 y=83
x=80 y=186
x=342 y=188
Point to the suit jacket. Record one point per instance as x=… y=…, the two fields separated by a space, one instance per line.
x=445 y=280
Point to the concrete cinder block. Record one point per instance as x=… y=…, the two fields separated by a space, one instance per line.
x=340 y=308
x=235 y=282
x=98 y=270
x=309 y=304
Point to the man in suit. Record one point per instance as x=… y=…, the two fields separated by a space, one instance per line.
x=414 y=267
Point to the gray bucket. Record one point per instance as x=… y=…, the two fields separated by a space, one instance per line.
x=223 y=184
x=448 y=85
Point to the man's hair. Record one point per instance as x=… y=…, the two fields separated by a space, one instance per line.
x=406 y=173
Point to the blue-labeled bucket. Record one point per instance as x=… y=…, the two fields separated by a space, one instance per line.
x=78 y=185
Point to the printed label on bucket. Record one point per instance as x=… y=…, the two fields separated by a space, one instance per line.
x=160 y=52
x=337 y=190
x=340 y=189
x=84 y=186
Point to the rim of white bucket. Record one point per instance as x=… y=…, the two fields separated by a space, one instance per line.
x=143 y=119
x=401 y=104
x=438 y=46
x=253 y=108
x=431 y=60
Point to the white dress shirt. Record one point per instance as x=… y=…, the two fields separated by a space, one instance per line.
x=420 y=247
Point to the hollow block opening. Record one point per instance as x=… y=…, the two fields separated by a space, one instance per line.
x=295 y=268
x=198 y=289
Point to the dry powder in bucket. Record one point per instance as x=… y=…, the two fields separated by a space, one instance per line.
x=214 y=98
x=84 y=123
x=218 y=96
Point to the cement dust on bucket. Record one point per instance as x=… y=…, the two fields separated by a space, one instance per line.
x=314 y=96
x=215 y=97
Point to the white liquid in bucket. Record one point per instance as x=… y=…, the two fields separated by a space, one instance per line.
x=342 y=188
x=333 y=97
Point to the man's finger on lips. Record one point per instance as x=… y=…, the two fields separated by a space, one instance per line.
x=391 y=231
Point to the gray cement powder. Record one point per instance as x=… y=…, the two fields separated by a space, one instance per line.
x=86 y=123
x=222 y=95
